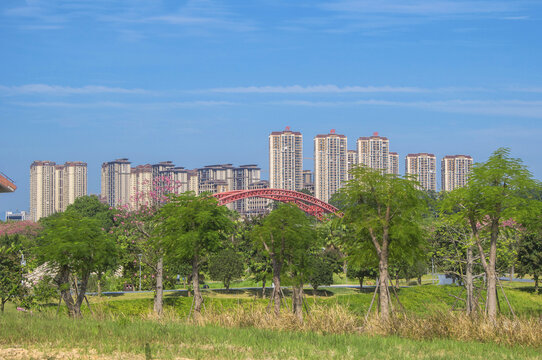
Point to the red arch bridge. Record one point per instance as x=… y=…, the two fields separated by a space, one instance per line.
x=307 y=203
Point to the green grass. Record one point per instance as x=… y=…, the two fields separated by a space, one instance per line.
x=418 y=300
x=168 y=340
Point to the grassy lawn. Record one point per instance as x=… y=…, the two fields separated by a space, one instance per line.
x=419 y=300
x=55 y=338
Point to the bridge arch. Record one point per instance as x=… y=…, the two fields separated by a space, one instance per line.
x=307 y=203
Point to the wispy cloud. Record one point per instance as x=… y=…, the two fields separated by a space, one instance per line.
x=516 y=108
x=421 y=7
x=298 y=89
x=203 y=15
x=127 y=105
x=45 y=89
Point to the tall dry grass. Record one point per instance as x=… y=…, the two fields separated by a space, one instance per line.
x=337 y=319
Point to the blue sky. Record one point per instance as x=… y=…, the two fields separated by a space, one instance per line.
x=201 y=82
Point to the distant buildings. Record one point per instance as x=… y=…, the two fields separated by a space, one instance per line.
x=54 y=187
x=455 y=170
x=373 y=152
x=117 y=182
x=17 y=216
x=352 y=161
x=423 y=167
x=286 y=160
x=308 y=181
x=393 y=163
x=330 y=164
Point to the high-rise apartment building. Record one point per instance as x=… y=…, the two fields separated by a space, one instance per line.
x=244 y=177
x=455 y=171
x=423 y=167
x=116 y=182
x=373 y=152
x=308 y=181
x=286 y=160
x=330 y=164
x=257 y=205
x=141 y=185
x=352 y=156
x=42 y=189
x=393 y=163
x=223 y=173
x=74 y=182
x=54 y=187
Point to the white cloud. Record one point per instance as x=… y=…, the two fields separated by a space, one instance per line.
x=514 y=108
x=45 y=89
x=298 y=89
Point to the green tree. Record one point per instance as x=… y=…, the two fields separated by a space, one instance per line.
x=530 y=248
x=286 y=235
x=225 y=266
x=498 y=190
x=192 y=228
x=75 y=245
x=92 y=207
x=322 y=265
x=10 y=273
x=387 y=211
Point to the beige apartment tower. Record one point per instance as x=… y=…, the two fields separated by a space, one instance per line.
x=423 y=168
x=455 y=171
x=352 y=160
x=393 y=163
x=116 y=182
x=54 y=187
x=286 y=160
x=373 y=152
x=330 y=164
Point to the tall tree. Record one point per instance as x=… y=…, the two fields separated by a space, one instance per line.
x=498 y=190
x=386 y=210
x=286 y=234
x=10 y=272
x=75 y=245
x=191 y=228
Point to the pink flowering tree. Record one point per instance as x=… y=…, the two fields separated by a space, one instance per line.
x=135 y=227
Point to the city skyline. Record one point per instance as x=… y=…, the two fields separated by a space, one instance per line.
x=261 y=169
x=204 y=82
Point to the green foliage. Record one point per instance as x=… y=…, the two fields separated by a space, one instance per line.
x=76 y=242
x=225 y=266
x=322 y=266
x=193 y=226
x=378 y=206
x=10 y=273
x=287 y=235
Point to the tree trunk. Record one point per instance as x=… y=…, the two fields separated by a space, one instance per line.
x=535 y=284
x=2 y=303
x=360 y=283
x=64 y=284
x=198 y=299
x=512 y=273
x=99 y=283
x=276 y=283
x=297 y=301
x=469 y=282
x=419 y=280
x=159 y=296
x=397 y=279
x=263 y=288
x=492 y=274
x=81 y=294
x=383 y=291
